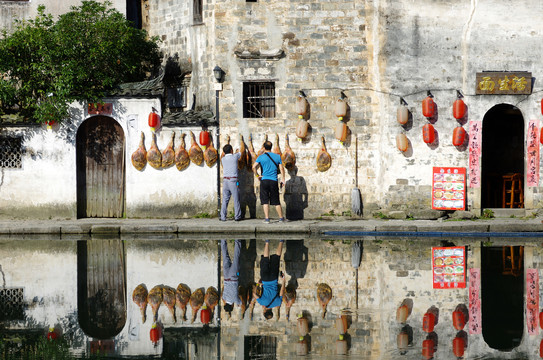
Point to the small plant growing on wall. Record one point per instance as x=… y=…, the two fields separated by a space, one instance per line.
x=487 y=214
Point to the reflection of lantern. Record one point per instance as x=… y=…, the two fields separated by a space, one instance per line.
x=50 y=124
x=204 y=138
x=153 y=120
x=459 y=109
x=402 y=341
x=541 y=136
x=428 y=134
x=459 y=135
x=401 y=142
x=341 y=324
x=205 y=315
x=402 y=313
x=341 y=131
x=458 y=346
x=541 y=348
x=341 y=346
x=402 y=115
x=301 y=346
x=541 y=106
x=154 y=334
x=541 y=319
x=459 y=320
x=341 y=108
x=52 y=335
x=303 y=326
x=428 y=322
x=428 y=348
x=301 y=106
x=428 y=107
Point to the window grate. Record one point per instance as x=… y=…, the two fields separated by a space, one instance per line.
x=11 y=152
x=11 y=304
x=258 y=99
x=260 y=347
x=197 y=17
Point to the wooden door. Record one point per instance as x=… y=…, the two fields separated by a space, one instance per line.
x=100 y=168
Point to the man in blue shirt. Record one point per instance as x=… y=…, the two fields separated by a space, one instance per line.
x=271 y=165
x=269 y=273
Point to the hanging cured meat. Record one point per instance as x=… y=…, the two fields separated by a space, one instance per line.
x=302 y=127
x=243 y=297
x=196 y=154
x=196 y=301
x=182 y=159
x=324 y=295
x=242 y=162
x=168 y=296
x=288 y=158
x=154 y=156
x=252 y=154
x=211 y=299
x=324 y=160
x=139 y=157
x=139 y=296
x=261 y=151
x=155 y=299
x=168 y=154
x=182 y=296
x=227 y=143
x=276 y=149
x=289 y=298
x=210 y=154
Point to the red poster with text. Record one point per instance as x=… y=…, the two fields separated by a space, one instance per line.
x=449 y=188
x=449 y=267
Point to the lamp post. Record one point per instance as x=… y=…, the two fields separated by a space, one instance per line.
x=219 y=76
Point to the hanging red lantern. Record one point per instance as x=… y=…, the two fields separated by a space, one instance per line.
x=459 y=109
x=541 y=135
x=541 y=319
x=402 y=115
x=205 y=315
x=301 y=106
x=541 y=349
x=402 y=143
x=459 y=320
x=458 y=347
x=402 y=313
x=153 y=120
x=428 y=348
x=52 y=335
x=154 y=334
x=428 y=322
x=459 y=135
x=428 y=134
x=341 y=131
x=341 y=108
x=204 y=138
x=541 y=106
x=428 y=107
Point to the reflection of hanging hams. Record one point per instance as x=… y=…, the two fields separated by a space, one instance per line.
x=139 y=157
x=243 y=297
x=210 y=154
x=195 y=152
x=289 y=298
x=252 y=154
x=211 y=299
x=168 y=295
x=154 y=156
x=182 y=159
x=155 y=299
x=196 y=301
x=276 y=149
x=139 y=296
x=324 y=160
x=288 y=158
x=168 y=154
x=261 y=151
x=182 y=295
x=227 y=143
x=324 y=295
x=242 y=162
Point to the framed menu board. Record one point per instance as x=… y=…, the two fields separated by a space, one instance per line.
x=449 y=267
x=449 y=188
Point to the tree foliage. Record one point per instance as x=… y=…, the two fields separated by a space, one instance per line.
x=45 y=65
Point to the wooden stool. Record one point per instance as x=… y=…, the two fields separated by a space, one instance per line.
x=513 y=196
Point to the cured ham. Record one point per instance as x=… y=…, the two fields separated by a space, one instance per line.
x=196 y=301
x=242 y=162
x=276 y=149
x=210 y=154
x=324 y=295
x=324 y=160
x=182 y=296
x=289 y=299
x=168 y=154
x=154 y=156
x=288 y=158
x=139 y=157
x=251 y=154
x=261 y=151
x=211 y=299
x=168 y=298
x=196 y=154
x=139 y=296
x=155 y=299
x=182 y=159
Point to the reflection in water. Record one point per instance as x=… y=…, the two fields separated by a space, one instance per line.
x=97 y=296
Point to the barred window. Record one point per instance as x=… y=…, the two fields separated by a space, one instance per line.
x=258 y=99
x=11 y=304
x=11 y=152
x=197 y=17
x=260 y=347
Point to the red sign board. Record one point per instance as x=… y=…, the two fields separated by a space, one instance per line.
x=449 y=188
x=449 y=267
x=100 y=108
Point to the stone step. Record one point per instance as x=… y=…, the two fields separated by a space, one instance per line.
x=508 y=213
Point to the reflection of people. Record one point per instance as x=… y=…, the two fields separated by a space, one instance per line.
x=270 y=163
x=269 y=273
x=230 y=182
x=231 y=274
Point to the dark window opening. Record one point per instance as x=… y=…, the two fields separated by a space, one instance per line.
x=502 y=296
x=133 y=12
x=197 y=11
x=250 y=0
x=11 y=304
x=260 y=347
x=11 y=152
x=177 y=98
x=258 y=99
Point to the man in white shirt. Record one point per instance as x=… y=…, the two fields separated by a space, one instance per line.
x=230 y=182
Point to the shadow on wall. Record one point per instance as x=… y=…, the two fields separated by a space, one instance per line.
x=295 y=196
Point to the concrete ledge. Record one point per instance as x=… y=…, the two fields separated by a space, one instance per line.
x=105 y=229
x=134 y=229
x=227 y=227
x=515 y=227
x=44 y=229
x=76 y=229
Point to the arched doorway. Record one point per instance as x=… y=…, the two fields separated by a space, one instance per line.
x=100 y=153
x=502 y=154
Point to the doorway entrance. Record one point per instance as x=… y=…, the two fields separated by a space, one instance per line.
x=502 y=296
x=100 y=149
x=502 y=174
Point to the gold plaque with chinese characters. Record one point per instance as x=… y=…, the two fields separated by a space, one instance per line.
x=503 y=83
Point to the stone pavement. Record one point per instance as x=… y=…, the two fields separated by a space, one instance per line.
x=252 y=228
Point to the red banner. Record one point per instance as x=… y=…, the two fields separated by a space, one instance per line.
x=532 y=301
x=532 y=157
x=475 y=143
x=474 y=322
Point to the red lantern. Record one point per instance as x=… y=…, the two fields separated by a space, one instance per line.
x=541 y=106
x=459 y=135
x=402 y=313
x=204 y=138
x=459 y=320
x=401 y=142
x=205 y=315
x=459 y=109
x=541 y=319
x=541 y=136
x=50 y=124
x=402 y=115
x=402 y=341
x=541 y=349
x=428 y=322
x=428 y=348
x=154 y=334
x=428 y=107
x=428 y=134
x=52 y=335
x=458 y=346
x=153 y=120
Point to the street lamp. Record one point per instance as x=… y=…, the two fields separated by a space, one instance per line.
x=219 y=76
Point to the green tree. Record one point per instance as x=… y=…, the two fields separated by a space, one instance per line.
x=45 y=65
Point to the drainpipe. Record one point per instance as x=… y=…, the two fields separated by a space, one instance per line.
x=218 y=152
